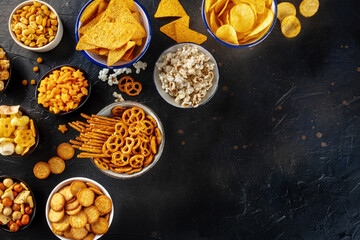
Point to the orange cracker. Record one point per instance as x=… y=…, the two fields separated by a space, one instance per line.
x=41 y=170
x=57 y=165
x=65 y=151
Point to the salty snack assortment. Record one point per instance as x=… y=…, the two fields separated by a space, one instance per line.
x=239 y=22
x=4 y=69
x=63 y=90
x=16 y=205
x=17 y=131
x=186 y=75
x=79 y=210
x=111 y=29
x=35 y=25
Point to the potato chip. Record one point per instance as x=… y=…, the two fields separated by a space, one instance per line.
x=225 y=17
x=285 y=9
x=268 y=3
x=90 y=11
x=62 y=225
x=220 y=5
x=78 y=233
x=214 y=25
x=242 y=17
x=209 y=4
x=138 y=42
x=223 y=9
x=117 y=54
x=57 y=165
x=79 y=220
x=86 y=197
x=264 y=23
x=100 y=226
x=169 y=29
x=170 y=8
x=227 y=33
x=92 y=214
x=76 y=186
x=308 y=8
x=184 y=34
x=290 y=26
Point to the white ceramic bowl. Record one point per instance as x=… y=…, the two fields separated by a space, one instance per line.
x=138 y=51
x=171 y=100
x=48 y=46
x=106 y=112
x=68 y=182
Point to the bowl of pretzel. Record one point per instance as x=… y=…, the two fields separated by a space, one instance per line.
x=124 y=140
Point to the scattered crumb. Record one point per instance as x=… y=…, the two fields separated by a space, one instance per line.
x=279 y=107
x=118 y=96
x=346 y=46
x=236 y=147
x=273 y=74
x=251 y=48
x=323 y=144
x=344 y=102
x=24 y=82
x=32 y=82
x=195 y=134
x=214 y=118
x=318 y=134
x=273 y=119
x=183 y=143
x=329 y=92
x=313 y=127
x=225 y=88
x=244 y=147
x=231 y=94
x=62 y=128
x=311 y=120
x=35 y=69
x=213 y=50
x=358 y=69
x=286 y=137
x=338 y=123
x=220 y=64
x=332 y=84
x=39 y=60
x=332 y=108
x=342 y=46
x=303 y=137
x=180 y=131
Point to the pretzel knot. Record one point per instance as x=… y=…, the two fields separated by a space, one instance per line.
x=117 y=111
x=148 y=127
x=121 y=129
x=123 y=81
x=137 y=161
x=120 y=159
x=101 y=164
x=133 y=89
x=145 y=149
x=129 y=143
x=114 y=143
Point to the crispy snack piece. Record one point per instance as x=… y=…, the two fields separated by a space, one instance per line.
x=90 y=236
x=62 y=225
x=76 y=186
x=65 y=191
x=89 y=184
x=170 y=8
x=308 y=8
x=92 y=214
x=57 y=202
x=96 y=191
x=41 y=170
x=100 y=226
x=67 y=234
x=71 y=206
x=65 y=151
x=78 y=220
x=104 y=204
x=57 y=165
x=55 y=216
x=290 y=26
x=74 y=212
x=57 y=232
x=78 y=233
x=285 y=9
x=169 y=29
x=86 y=197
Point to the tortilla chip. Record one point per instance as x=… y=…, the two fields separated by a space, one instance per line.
x=138 y=42
x=100 y=51
x=131 y=5
x=170 y=8
x=9 y=109
x=129 y=55
x=90 y=11
x=169 y=29
x=102 y=7
x=82 y=45
x=117 y=54
x=90 y=24
x=184 y=34
x=137 y=16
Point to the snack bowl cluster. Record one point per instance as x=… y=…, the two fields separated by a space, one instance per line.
x=68 y=182
x=138 y=52
x=49 y=46
x=210 y=92
x=205 y=18
x=18 y=180
x=83 y=99
x=6 y=82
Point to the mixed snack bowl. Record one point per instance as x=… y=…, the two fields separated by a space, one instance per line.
x=5 y=70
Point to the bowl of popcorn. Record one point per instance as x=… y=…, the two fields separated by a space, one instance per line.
x=17 y=204
x=63 y=89
x=186 y=75
x=35 y=26
x=113 y=34
x=19 y=135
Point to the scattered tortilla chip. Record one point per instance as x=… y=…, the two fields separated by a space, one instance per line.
x=117 y=54
x=170 y=8
x=90 y=11
x=90 y=24
x=169 y=29
x=184 y=34
x=9 y=109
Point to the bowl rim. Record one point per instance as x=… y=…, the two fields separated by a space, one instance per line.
x=25 y=3
x=2 y=227
x=9 y=69
x=157 y=156
x=130 y=63
x=67 y=182
x=87 y=77
x=203 y=14
x=215 y=80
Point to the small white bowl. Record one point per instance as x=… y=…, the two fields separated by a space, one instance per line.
x=68 y=182
x=47 y=47
x=138 y=51
x=210 y=92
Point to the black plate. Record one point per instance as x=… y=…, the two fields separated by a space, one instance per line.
x=8 y=80
x=83 y=100
x=15 y=179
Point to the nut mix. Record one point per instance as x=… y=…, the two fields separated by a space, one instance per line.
x=34 y=25
x=16 y=204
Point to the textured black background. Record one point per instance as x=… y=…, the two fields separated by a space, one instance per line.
x=236 y=168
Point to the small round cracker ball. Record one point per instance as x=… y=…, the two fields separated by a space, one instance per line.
x=16 y=215
x=8 y=182
x=7 y=211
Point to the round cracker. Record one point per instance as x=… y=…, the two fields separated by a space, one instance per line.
x=62 y=225
x=90 y=236
x=78 y=233
x=92 y=185
x=96 y=191
x=87 y=227
x=65 y=151
x=76 y=186
x=79 y=220
x=41 y=170
x=71 y=206
x=55 y=216
x=75 y=211
x=92 y=214
x=57 y=232
x=100 y=226
x=57 y=202
x=57 y=165
x=65 y=191
x=86 y=197
x=104 y=204
x=67 y=234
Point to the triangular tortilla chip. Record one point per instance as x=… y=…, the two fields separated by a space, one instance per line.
x=131 y=5
x=184 y=34
x=82 y=45
x=169 y=29
x=90 y=24
x=128 y=56
x=138 y=42
x=117 y=54
x=102 y=7
x=90 y=11
x=137 y=16
x=170 y=8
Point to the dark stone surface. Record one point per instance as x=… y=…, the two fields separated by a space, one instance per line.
x=240 y=169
